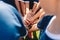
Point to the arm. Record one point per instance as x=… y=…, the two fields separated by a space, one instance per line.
x=35 y=7
x=23 y=8
x=27 y=8
x=18 y=6
x=22 y=28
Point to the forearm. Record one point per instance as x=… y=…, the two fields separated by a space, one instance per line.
x=27 y=8
x=37 y=6
x=18 y=6
x=34 y=6
x=23 y=7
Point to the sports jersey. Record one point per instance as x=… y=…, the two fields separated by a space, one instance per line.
x=43 y=24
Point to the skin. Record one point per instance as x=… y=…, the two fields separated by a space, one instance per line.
x=52 y=7
x=34 y=27
x=39 y=14
x=21 y=7
x=35 y=7
x=17 y=4
x=31 y=16
x=28 y=14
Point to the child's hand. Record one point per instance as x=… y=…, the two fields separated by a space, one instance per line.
x=31 y=20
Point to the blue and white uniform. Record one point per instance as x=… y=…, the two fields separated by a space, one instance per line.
x=11 y=25
x=44 y=23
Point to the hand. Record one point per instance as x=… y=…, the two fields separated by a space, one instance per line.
x=34 y=28
x=31 y=20
x=26 y=22
x=26 y=18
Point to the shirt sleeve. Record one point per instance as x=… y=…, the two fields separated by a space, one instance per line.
x=43 y=23
x=22 y=30
x=11 y=22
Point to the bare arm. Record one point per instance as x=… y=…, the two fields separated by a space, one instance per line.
x=35 y=7
x=23 y=7
x=18 y=6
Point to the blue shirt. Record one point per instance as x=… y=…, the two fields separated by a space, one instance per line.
x=11 y=2
x=11 y=25
x=33 y=0
x=27 y=1
x=43 y=23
